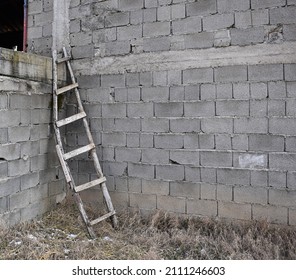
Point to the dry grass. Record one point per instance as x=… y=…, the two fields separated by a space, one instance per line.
x=61 y=235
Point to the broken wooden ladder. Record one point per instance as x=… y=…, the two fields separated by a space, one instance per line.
x=90 y=148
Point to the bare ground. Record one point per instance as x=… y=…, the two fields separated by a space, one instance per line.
x=60 y=234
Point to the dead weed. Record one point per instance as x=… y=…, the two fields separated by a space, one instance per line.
x=61 y=235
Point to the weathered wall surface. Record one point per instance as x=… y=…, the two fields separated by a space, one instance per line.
x=31 y=181
x=191 y=103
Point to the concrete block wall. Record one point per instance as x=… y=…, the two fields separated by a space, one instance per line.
x=190 y=103
x=213 y=141
x=121 y=27
x=40 y=18
x=31 y=181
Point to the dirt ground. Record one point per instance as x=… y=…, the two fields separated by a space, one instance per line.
x=60 y=234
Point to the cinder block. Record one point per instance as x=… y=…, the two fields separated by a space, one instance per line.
x=117 y=48
x=83 y=51
x=127 y=154
x=240 y=142
x=149 y=15
x=282 y=161
x=286 y=126
x=121 y=184
x=248 y=36
x=172 y=109
x=18 y=167
x=192 y=92
x=208 y=175
x=170 y=172
x=9 y=152
x=236 y=73
x=192 y=174
x=292 y=217
x=233 y=176
x=201 y=8
x=141 y=170
x=171 y=204
x=18 y=134
x=131 y=5
x=113 y=139
x=199 y=109
x=143 y=201
x=207 y=91
x=208 y=191
x=260 y=17
x=271 y=214
x=191 y=141
x=3 y=135
x=117 y=19
x=250 y=160
x=243 y=19
x=129 y=32
x=155 y=187
x=20 y=200
x=195 y=76
x=217 y=125
x=250 y=195
x=283 y=15
x=81 y=38
x=258 y=90
x=178 y=11
x=116 y=110
x=166 y=141
x=175 y=77
x=224 y=91
x=155 y=125
x=120 y=200
x=234 y=210
x=215 y=159
x=29 y=180
x=160 y=78
x=187 y=25
x=9 y=118
x=107 y=35
x=184 y=157
x=207 y=208
x=277 y=89
x=136 y=17
x=164 y=13
x=223 y=142
x=257 y=4
x=155 y=156
x=134 y=185
x=290 y=144
x=259 y=178
x=184 y=125
x=273 y=72
x=226 y=6
x=132 y=140
x=224 y=193
x=289 y=32
x=35 y=210
x=290 y=72
x=155 y=94
x=134 y=94
x=218 y=21
x=277 y=108
x=151 y=3
x=154 y=29
x=277 y=179
x=200 y=40
x=9 y=186
x=185 y=189
x=115 y=168
x=282 y=197
x=156 y=44
x=114 y=80
x=128 y=125
x=291 y=180
x=232 y=108
x=241 y=90
x=266 y=143
x=250 y=125
x=137 y=110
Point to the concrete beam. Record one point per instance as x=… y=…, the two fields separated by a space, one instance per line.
x=186 y=59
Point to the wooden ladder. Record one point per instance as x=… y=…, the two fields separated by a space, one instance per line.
x=90 y=148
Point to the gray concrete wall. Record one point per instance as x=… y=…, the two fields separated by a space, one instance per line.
x=31 y=181
x=191 y=104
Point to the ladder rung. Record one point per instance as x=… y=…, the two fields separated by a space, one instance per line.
x=102 y=218
x=90 y=184
x=63 y=59
x=64 y=166
x=67 y=88
x=71 y=119
x=79 y=151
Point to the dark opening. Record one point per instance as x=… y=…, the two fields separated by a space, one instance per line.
x=11 y=24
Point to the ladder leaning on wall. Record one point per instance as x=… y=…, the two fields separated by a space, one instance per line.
x=90 y=148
